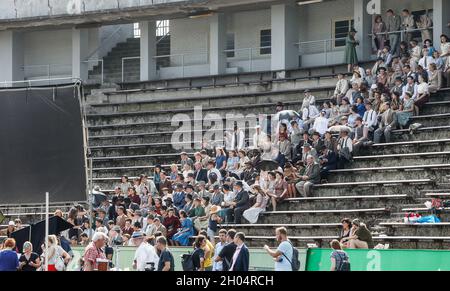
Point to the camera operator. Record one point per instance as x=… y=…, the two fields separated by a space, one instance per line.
x=145 y=258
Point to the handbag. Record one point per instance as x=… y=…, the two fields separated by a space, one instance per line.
x=59 y=264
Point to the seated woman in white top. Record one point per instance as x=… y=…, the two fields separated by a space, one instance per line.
x=423 y=94
x=260 y=205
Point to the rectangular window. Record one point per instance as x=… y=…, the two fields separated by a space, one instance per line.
x=340 y=31
x=230 y=45
x=265 y=42
x=136 y=30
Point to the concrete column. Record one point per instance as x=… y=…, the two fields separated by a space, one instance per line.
x=80 y=53
x=285 y=29
x=217 y=44
x=11 y=56
x=148 y=50
x=441 y=17
x=363 y=25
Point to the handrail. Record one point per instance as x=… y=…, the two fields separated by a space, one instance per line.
x=319 y=40
x=127 y=58
x=102 y=66
x=402 y=31
x=39 y=80
x=104 y=41
x=246 y=48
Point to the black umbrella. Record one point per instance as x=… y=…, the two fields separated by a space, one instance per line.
x=98 y=198
x=35 y=233
x=267 y=165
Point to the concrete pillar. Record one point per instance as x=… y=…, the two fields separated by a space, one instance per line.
x=363 y=25
x=11 y=56
x=148 y=50
x=80 y=53
x=441 y=17
x=217 y=44
x=285 y=54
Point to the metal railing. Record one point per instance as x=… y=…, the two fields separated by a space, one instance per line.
x=182 y=60
x=29 y=83
x=249 y=54
x=105 y=41
x=123 y=65
x=403 y=32
x=96 y=63
x=47 y=71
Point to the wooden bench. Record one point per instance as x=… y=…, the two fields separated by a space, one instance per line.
x=271 y=225
x=365 y=197
x=431 y=128
x=136 y=157
x=394 y=168
x=223 y=96
x=411 y=143
x=130 y=168
x=400 y=224
x=388 y=156
x=438 y=195
x=374 y=183
x=334 y=211
x=432 y=116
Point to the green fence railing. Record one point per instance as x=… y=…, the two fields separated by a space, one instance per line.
x=383 y=260
x=259 y=259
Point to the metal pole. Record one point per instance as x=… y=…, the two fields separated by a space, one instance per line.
x=103 y=67
x=250 y=59
x=182 y=65
x=46 y=229
x=326 y=51
x=122 y=70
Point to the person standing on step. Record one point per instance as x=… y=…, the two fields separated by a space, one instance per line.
x=351 y=57
x=393 y=25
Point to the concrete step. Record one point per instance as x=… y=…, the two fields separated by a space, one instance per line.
x=417 y=229
x=435 y=174
x=346 y=202
x=369 y=216
x=394 y=242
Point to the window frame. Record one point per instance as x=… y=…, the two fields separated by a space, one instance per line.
x=349 y=19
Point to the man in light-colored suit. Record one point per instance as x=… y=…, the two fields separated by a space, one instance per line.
x=311 y=177
x=393 y=23
x=387 y=124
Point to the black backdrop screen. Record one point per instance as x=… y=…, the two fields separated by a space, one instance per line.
x=41 y=146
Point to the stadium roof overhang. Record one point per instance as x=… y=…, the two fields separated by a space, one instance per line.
x=163 y=11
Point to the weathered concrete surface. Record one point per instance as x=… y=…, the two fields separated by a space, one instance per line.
x=19 y=14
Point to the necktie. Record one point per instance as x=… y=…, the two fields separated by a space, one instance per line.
x=235 y=140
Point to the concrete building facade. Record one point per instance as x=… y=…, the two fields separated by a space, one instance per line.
x=229 y=37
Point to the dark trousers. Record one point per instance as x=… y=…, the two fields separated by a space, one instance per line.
x=238 y=214
x=342 y=162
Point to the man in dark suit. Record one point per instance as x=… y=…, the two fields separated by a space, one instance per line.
x=200 y=174
x=241 y=257
x=241 y=202
x=328 y=161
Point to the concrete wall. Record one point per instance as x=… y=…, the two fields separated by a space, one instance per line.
x=14 y=9
x=189 y=36
x=318 y=18
x=54 y=48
